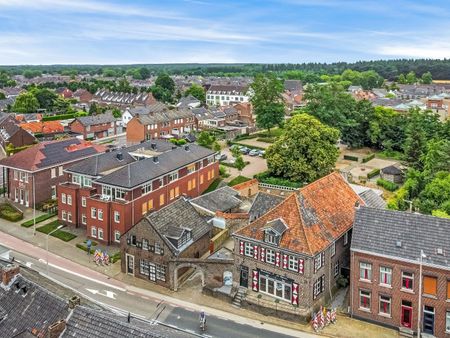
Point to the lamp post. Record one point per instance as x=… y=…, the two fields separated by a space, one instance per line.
x=422 y=256
x=48 y=235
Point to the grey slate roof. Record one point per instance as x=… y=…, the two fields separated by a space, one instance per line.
x=222 y=199
x=185 y=101
x=293 y=85
x=145 y=170
x=277 y=225
x=153 y=108
x=89 y=323
x=391 y=170
x=97 y=119
x=178 y=214
x=164 y=116
x=37 y=309
x=371 y=199
x=98 y=164
x=262 y=203
x=377 y=231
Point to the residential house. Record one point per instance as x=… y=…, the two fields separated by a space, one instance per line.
x=189 y=102
x=11 y=133
x=150 y=247
x=105 y=97
x=43 y=130
x=159 y=122
x=65 y=93
x=110 y=193
x=96 y=126
x=83 y=96
x=224 y=95
x=34 y=173
x=293 y=93
x=245 y=113
x=297 y=250
x=400 y=271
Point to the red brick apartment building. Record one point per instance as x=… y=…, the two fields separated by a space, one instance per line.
x=157 y=121
x=40 y=168
x=388 y=287
x=96 y=126
x=110 y=193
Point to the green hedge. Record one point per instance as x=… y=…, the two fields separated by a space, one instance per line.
x=265 y=177
x=8 y=212
x=39 y=219
x=84 y=248
x=388 y=185
x=368 y=158
x=64 y=116
x=373 y=173
x=350 y=158
x=238 y=180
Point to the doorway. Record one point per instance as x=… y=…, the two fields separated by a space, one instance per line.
x=130 y=264
x=243 y=280
x=406 y=314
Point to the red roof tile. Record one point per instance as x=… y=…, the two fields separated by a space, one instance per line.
x=317 y=215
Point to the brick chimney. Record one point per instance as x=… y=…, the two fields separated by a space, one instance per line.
x=8 y=272
x=55 y=330
x=74 y=301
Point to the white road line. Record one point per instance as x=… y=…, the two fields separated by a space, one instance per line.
x=83 y=276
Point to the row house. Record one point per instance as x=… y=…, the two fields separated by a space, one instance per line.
x=83 y=95
x=113 y=192
x=224 y=95
x=160 y=124
x=400 y=272
x=96 y=126
x=33 y=174
x=105 y=97
x=150 y=248
x=297 y=250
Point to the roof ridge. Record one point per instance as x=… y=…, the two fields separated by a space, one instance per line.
x=302 y=222
x=332 y=174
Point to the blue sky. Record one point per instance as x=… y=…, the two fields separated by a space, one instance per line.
x=185 y=31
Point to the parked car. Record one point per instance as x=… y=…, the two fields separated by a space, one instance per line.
x=221 y=157
x=244 y=150
x=261 y=153
x=254 y=152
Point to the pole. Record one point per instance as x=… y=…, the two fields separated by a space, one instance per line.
x=46 y=243
x=420 y=294
x=34 y=207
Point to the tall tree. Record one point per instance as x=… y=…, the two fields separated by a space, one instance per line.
x=267 y=100
x=45 y=97
x=196 y=91
x=165 y=81
x=26 y=103
x=305 y=152
x=427 y=78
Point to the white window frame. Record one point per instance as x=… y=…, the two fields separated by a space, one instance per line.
x=83 y=201
x=116 y=216
x=333 y=249
x=63 y=198
x=118 y=194
x=15 y=175
x=173 y=176
x=447 y=321
x=60 y=170
x=69 y=199
x=83 y=219
x=69 y=217
x=346 y=238
x=100 y=233
x=365 y=266
x=53 y=172
x=117 y=236
x=318 y=261
x=385 y=270
x=248 y=249
x=270 y=256
x=100 y=214
x=93 y=213
x=411 y=277
x=336 y=268
x=368 y=295
x=292 y=263
x=64 y=215
x=388 y=300
x=76 y=179
x=94 y=232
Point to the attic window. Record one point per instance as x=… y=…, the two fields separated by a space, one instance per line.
x=271 y=237
x=439 y=251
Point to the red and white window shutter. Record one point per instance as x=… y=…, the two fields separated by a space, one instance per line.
x=301 y=266
x=285 y=261
x=294 y=293
x=277 y=259
x=262 y=255
x=241 y=247
x=255 y=280
x=255 y=252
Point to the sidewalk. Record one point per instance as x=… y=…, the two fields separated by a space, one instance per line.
x=76 y=261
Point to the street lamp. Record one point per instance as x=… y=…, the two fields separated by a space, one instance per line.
x=422 y=256
x=48 y=235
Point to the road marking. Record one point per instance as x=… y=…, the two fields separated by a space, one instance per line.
x=83 y=276
x=145 y=297
x=107 y=293
x=131 y=293
x=28 y=264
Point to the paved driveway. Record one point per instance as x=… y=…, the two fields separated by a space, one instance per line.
x=256 y=166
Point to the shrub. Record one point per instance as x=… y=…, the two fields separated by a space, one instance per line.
x=8 y=212
x=238 y=180
x=342 y=281
x=115 y=257
x=265 y=177
x=39 y=219
x=84 y=247
x=373 y=173
x=368 y=158
x=392 y=154
x=388 y=185
x=350 y=158
x=223 y=171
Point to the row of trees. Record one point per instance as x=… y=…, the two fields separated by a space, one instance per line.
x=411 y=78
x=41 y=98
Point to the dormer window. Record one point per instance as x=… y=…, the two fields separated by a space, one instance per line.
x=274 y=230
x=179 y=237
x=271 y=238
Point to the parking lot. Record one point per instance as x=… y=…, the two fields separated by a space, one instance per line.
x=257 y=164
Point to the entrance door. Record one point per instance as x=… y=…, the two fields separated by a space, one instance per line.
x=428 y=319
x=21 y=196
x=130 y=264
x=406 y=316
x=152 y=274
x=244 y=277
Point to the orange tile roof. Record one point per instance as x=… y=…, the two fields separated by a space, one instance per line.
x=47 y=127
x=317 y=215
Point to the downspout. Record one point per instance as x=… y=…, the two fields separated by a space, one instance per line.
x=331 y=273
x=352 y=260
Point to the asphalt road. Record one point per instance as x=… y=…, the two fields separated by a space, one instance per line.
x=142 y=306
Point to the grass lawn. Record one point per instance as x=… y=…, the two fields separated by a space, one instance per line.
x=62 y=235
x=390 y=154
x=213 y=186
x=39 y=219
x=238 y=180
x=8 y=212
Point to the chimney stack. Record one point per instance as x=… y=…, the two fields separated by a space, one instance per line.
x=8 y=272
x=119 y=156
x=153 y=145
x=55 y=330
x=155 y=159
x=74 y=301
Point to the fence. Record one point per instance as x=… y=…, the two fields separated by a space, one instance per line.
x=277 y=187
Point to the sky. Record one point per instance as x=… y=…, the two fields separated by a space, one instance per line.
x=221 y=31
